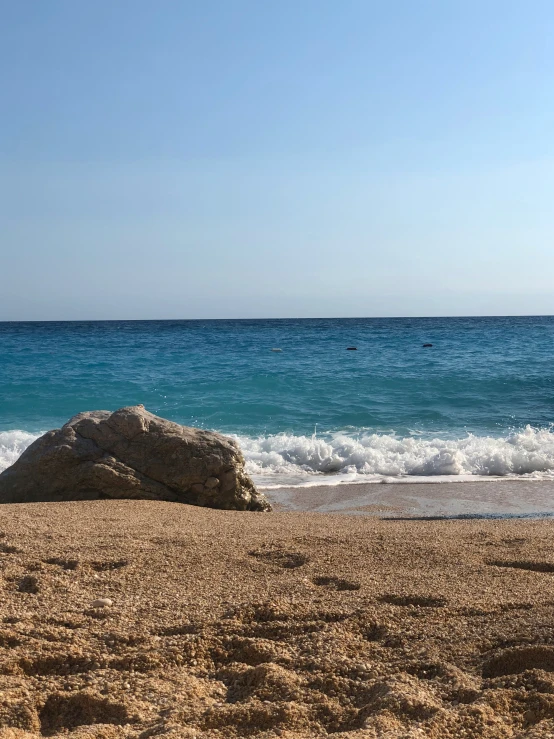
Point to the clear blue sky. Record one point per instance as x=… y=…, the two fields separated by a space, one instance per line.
x=265 y=158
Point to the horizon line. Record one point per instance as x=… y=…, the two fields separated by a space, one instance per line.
x=290 y=318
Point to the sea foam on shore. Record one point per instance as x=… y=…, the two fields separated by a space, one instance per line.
x=288 y=459
x=373 y=457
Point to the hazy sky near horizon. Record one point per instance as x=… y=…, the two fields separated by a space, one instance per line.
x=240 y=158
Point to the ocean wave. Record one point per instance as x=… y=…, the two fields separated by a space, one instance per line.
x=295 y=460
x=375 y=457
x=12 y=444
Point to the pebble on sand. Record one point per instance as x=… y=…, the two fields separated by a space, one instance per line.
x=102 y=602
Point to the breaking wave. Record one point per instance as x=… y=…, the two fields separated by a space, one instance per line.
x=286 y=459
x=12 y=444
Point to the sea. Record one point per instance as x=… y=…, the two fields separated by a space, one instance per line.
x=310 y=401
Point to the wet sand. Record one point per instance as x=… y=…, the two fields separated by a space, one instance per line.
x=445 y=499
x=294 y=625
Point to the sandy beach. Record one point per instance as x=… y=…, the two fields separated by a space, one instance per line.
x=295 y=625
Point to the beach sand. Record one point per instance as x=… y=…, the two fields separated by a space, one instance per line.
x=293 y=625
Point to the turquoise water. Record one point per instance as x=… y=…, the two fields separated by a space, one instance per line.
x=480 y=401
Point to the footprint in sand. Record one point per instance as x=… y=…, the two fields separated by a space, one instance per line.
x=518 y=659
x=28 y=584
x=280 y=558
x=521 y=564
x=7 y=548
x=65 y=564
x=97 y=566
x=65 y=712
x=514 y=540
x=109 y=565
x=335 y=583
x=419 y=601
x=8 y=640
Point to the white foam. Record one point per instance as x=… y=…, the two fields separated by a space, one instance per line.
x=12 y=444
x=287 y=459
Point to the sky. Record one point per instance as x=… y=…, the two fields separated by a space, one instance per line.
x=284 y=158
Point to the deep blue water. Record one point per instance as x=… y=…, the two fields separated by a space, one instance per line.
x=487 y=377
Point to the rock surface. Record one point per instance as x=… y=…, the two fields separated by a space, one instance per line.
x=131 y=453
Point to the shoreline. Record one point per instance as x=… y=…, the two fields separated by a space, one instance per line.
x=444 y=500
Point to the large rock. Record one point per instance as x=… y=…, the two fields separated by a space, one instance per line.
x=131 y=453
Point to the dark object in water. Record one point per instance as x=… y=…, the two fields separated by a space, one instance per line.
x=351 y=348
x=427 y=345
